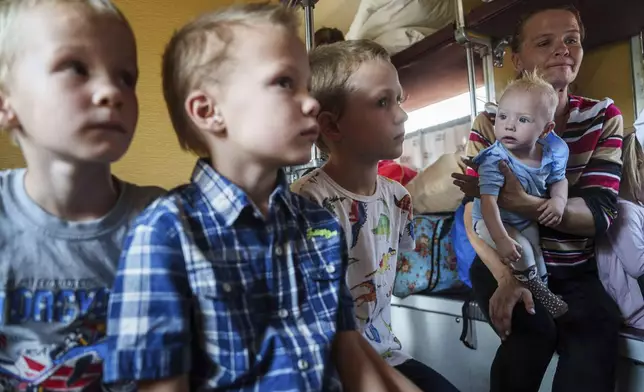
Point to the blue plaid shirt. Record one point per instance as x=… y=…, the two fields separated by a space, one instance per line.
x=209 y=287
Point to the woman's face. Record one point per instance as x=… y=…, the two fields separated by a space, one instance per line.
x=551 y=42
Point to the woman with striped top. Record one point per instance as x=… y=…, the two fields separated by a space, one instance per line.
x=585 y=337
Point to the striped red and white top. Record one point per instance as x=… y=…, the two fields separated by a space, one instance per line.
x=594 y=136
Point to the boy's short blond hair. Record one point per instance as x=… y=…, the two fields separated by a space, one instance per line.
x=534 y=82
x=10 y=12
x=331 y=68
x=197 y=52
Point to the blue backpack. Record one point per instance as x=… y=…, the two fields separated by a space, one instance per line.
x=464 y=251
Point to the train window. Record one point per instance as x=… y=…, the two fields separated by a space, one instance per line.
x=444 y=111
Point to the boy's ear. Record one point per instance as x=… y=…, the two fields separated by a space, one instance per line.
x=329 y=126
x=204 y=112
x=550 y=126
x=8 y=117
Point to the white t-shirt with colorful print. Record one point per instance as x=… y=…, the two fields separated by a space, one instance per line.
x=378 y=228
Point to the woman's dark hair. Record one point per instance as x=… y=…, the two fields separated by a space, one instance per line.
x=327 y=35
x=517 y=38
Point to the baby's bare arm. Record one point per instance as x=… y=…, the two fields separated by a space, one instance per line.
x=559 y=189
x=492 y=218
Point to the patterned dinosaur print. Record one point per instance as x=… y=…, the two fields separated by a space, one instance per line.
x=383 y=227
x=387 y=354
x=368 y=297
x=313 y=179
x=375 y=228
x=391 y=331
x=329 y=203
x=410 y=229
x=405 y=205
x=385 y=264
x=384 y=224
x=384 y=204
x=372 y=334
x=357 y=218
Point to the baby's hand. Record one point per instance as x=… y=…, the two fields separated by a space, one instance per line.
x=509 y=250
x=552 y=211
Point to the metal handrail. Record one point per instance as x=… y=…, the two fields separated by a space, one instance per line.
x=491 y=52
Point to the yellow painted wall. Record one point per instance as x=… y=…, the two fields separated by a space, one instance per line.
x=504 y=74
x=332 y=13
x=10 y=156
x=605 y=72
x=154 y=157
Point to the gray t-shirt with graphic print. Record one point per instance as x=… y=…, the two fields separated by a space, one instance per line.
x=55 y=277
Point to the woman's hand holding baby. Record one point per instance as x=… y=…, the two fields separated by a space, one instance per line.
x=512 y=196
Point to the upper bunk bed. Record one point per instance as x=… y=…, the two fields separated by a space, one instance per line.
x=436 y=67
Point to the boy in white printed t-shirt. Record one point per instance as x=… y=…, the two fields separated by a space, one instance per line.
x=361 y=123
x=67 y=98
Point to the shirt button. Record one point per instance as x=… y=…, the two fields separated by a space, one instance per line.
x=227 y=287
x=283 y=313
x=278 y=250
x=302 y=364
x=330 y=269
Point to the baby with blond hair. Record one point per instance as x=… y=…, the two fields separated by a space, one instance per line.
x=525 y=141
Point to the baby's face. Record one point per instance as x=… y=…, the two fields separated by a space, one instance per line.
x=72 y=85
x=521 y=119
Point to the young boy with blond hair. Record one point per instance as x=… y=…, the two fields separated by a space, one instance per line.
x=362 y=123
x=67 y=99
x=232 y=282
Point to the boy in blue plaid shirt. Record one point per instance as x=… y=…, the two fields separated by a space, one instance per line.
x=232 y=282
